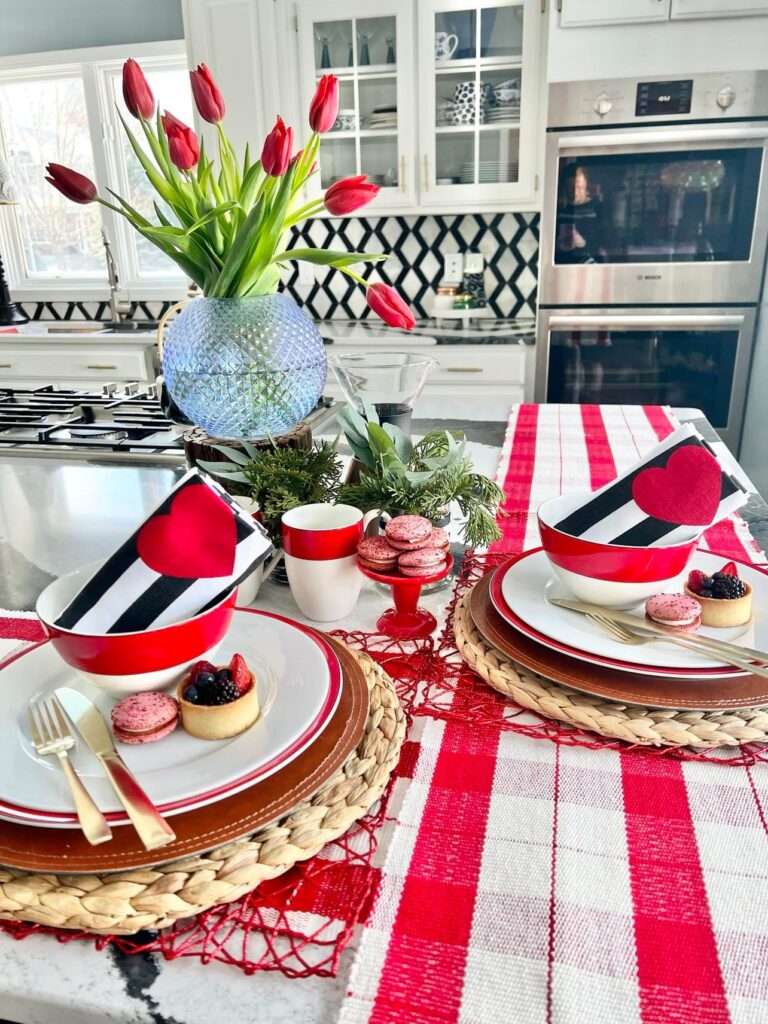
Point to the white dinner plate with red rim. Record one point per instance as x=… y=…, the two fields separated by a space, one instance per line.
x=520 y=592
x=299 y=679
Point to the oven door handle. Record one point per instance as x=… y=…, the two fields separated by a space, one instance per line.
x=685 y=135
x=662 y=320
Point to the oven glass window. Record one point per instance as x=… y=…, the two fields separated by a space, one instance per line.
x=647 y=367
x=657 y=207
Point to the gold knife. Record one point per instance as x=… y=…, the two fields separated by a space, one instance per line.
x=154 y=831
x=636 y=622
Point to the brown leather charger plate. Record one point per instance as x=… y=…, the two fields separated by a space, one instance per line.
x=65 y=850
x=746 y=691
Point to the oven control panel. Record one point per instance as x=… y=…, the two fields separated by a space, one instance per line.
x=705 y=97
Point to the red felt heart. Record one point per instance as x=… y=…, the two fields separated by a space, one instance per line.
x=686 y=491
x=196 y=539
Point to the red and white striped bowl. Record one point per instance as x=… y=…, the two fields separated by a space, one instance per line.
x=614 y=575
x=123 y=663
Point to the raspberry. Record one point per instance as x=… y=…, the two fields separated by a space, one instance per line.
x=697 y=581
x=729 y=569
x=201 y=666
x=241 y=675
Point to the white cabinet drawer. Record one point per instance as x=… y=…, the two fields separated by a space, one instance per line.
x=479 y=364
x=65 y=362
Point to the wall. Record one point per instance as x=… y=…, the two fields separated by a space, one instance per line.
x=34 y=26
x=656 y=48
x=508 y=241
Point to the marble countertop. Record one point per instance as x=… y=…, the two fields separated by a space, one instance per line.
x=54 y=516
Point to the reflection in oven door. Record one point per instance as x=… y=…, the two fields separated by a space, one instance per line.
x=678 y=367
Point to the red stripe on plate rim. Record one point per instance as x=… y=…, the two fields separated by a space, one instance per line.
x=501 y=606
x=30 y=816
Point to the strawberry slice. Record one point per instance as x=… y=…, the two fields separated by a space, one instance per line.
x=241 y=674
x=729 y=569
x=201 y=666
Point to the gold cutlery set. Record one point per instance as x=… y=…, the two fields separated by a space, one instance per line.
x=51 y=735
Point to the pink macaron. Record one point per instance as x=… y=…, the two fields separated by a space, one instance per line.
x=422 y=562
x=407 y=533
x=675 y=611
x=439 y=539
x=144 y=717
x=377 y=553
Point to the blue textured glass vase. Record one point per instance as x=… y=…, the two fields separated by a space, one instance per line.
x=244 y=368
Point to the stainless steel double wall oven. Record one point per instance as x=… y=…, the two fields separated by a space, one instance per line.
x=653 y=242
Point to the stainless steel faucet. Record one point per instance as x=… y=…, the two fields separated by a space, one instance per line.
x=121 y=309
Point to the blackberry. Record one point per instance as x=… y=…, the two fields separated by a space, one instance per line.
x=222 y=693
x=727 y=588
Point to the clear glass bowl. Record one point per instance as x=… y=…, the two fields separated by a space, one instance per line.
x=391 y=381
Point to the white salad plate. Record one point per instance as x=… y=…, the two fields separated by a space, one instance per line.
x=521 y=594
x=299 y=681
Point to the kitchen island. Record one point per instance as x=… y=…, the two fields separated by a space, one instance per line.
x=55 y=516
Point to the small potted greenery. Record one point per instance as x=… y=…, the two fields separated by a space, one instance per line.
x=423 y=478
x=279 y=478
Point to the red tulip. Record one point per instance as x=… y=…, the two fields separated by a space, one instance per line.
x=136 y=92
x=349 y=194
x=210 y=102
x=325 y=104
x=182 y=142
x=393 y=310
x=276 y=152
x=71 y=184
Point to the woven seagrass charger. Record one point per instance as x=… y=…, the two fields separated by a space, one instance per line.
x=127 y=901
x=633 y=723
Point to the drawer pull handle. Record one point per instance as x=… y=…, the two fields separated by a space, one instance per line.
x=102 y=366
x=5 y=366
x=464 y=369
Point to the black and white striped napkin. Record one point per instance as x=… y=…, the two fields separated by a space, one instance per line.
x=676 y=489
x=196 y=546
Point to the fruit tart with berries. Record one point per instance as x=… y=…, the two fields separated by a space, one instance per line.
x=216 y=702
x=725 y=599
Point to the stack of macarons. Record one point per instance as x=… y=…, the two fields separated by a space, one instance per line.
x=410 y=544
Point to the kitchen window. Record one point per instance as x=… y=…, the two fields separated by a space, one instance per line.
x=65 y=111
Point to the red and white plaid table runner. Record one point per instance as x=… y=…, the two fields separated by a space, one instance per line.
x=530 y=881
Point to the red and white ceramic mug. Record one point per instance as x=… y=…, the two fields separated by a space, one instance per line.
x=320 y=543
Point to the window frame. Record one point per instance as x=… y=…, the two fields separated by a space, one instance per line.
x=96 y=66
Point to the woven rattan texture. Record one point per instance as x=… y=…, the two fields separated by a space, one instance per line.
x=122 y=903
x=629 y=722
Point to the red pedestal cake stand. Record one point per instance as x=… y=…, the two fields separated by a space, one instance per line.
x=406 y=621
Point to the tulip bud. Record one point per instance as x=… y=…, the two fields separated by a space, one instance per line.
x=276 y=152
x=393 y=310
x=325 y=104
x=136 y=92
x=210 y=102
x=349 y=194
x=183 y=147
x=71 y=184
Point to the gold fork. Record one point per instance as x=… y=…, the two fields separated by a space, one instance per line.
x=625 y=635
x=51 y=735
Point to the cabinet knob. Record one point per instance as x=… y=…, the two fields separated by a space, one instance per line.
x=426 y=173
x=102 y=366
x=5 y=366
x=403 y=170
x=464 y=369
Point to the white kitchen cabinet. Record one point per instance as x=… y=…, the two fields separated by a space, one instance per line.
x=578 y=13
x=368 y=45
x=75 y=361
x=717 y=8
x=479 y=68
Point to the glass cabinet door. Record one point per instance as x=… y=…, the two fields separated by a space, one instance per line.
x=478 y=62
x=367 y=45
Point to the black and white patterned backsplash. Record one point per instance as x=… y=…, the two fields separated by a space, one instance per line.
x=417 y=245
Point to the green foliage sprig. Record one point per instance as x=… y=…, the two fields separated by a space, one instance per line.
x=279 y=478
x=419 y=479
